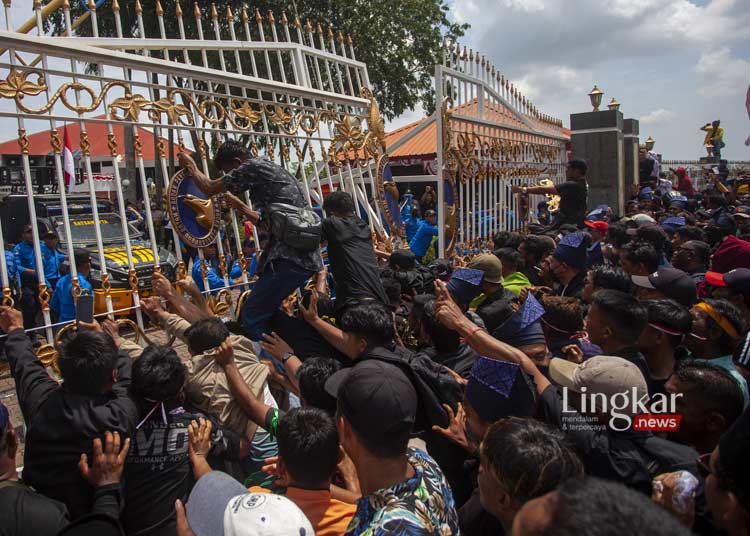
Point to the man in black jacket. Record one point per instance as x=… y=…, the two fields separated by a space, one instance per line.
x=62 y=420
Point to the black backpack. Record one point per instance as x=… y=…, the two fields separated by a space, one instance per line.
x=298 y=227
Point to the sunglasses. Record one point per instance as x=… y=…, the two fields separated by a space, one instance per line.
x=703 y=464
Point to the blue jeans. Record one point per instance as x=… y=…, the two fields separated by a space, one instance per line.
x=279 y=279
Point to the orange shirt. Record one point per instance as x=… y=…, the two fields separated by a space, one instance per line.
x=328 y=516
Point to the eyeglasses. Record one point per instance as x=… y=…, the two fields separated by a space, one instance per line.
x=703 y=464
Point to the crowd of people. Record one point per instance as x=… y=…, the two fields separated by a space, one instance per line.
x=516 y=392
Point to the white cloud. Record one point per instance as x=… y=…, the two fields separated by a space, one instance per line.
x=722 y=74
x=658 y=117
x=543 y=82
x=526 y=5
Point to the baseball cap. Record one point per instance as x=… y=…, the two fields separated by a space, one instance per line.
x=608 y=375
x=737 y=280
x=377 y=399
x=600 y=226
x=671 y=282
x=221 y=506
x=731 y=253
x=743 y=211
x=642 y=219
x=490 y=265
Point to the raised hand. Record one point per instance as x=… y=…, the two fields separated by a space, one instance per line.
x=108 y=461
x=199 y=434
x=10 y=319
x=310 y=313
x=455 y=431
x=276 y=346
x=224 y=353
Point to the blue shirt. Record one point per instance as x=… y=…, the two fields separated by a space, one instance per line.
x=215 y=281
x=51 y=262
x=423 y=238
x=25 y=259
x=62 y=298
x=237 y=269
x=10 y=264
x=412 y=226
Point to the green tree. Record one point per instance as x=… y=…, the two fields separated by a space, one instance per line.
x=399 y=41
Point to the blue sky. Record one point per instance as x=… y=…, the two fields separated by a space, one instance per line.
x=673 y=64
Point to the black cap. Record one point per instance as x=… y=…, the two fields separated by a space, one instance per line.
x=377 y=399
x=671 y=282
x=403 y=258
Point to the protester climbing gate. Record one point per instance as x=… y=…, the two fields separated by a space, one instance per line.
x=490 y=138
x=290 y=91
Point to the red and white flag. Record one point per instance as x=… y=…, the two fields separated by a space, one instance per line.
x=68 y=165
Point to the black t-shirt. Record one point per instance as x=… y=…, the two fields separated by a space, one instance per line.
x=157 y=470
x=461 y=361
x=573 y=200
x=645 y=169
x=354 y=267
x=24 y=512
x=304 y=340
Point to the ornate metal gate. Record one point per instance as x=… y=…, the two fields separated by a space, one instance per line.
x=293 y=93
x=490 y=137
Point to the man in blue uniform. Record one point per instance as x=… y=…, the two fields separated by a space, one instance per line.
x=423 y=236
x=62 y=298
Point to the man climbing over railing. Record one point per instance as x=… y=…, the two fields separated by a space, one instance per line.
x=292 y=254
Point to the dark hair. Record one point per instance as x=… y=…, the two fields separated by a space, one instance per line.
x=625 y=314
x=228 y=151
x=205 y=334
x=538 y=246
x=429 y=213
x=714 y=198
x=339 y=202
x=715 y=234
x=371 y=321
x=671 y=314
x=579 y=165
x=528 y=458
x=642 y=253
x=81 y=256
x=701 y=250
x=690 y=232
x=86 y=362
x=654 y=235
x=311 y=376
x=443 y=339
x=617 y=234
x=591 y=506
x=510 y=258
x=563 y=312
x=719 y=391
x=158 y=374
x=507 y=239
x=612 y=278
x=729 y=311
x=392 y=288
x=308 y=446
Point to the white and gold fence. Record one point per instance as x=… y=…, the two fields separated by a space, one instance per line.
x=490 y=138
x=293 y=94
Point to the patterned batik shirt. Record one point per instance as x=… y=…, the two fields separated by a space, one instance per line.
x=267 y=183
x=422 y=505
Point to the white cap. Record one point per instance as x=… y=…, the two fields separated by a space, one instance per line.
x=265 y=514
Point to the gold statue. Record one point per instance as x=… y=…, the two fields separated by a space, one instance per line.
x=203 y=208
x=714 y=140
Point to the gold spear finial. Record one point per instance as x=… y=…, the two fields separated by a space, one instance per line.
x=92 y=5
x=159 y=9
x=308 y=26
x=484 y=60
x=138 y=7
x=330 y=33
x=245 y=16
x=297 y=23
x=178 y=9
x=270 y=17
x=196 y=10
x=478 y=59
x=214 y=13
x=471 y=54
x=284 y=20
x=258 y=18
x=65 y=5
x=320 y=29
x=445 y=43
x=349 y=40
x=7 y=3
x=230 y=15
x=341 y=38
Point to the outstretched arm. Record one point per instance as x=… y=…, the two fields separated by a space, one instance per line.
x=332 y=334
x=205 y=184
x=451 y=316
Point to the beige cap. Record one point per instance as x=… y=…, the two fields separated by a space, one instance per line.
x=490 y=265
x=604 y=374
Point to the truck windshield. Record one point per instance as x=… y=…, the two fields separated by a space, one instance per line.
x=83 y=230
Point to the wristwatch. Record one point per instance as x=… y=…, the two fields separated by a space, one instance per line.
x=286 y=356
